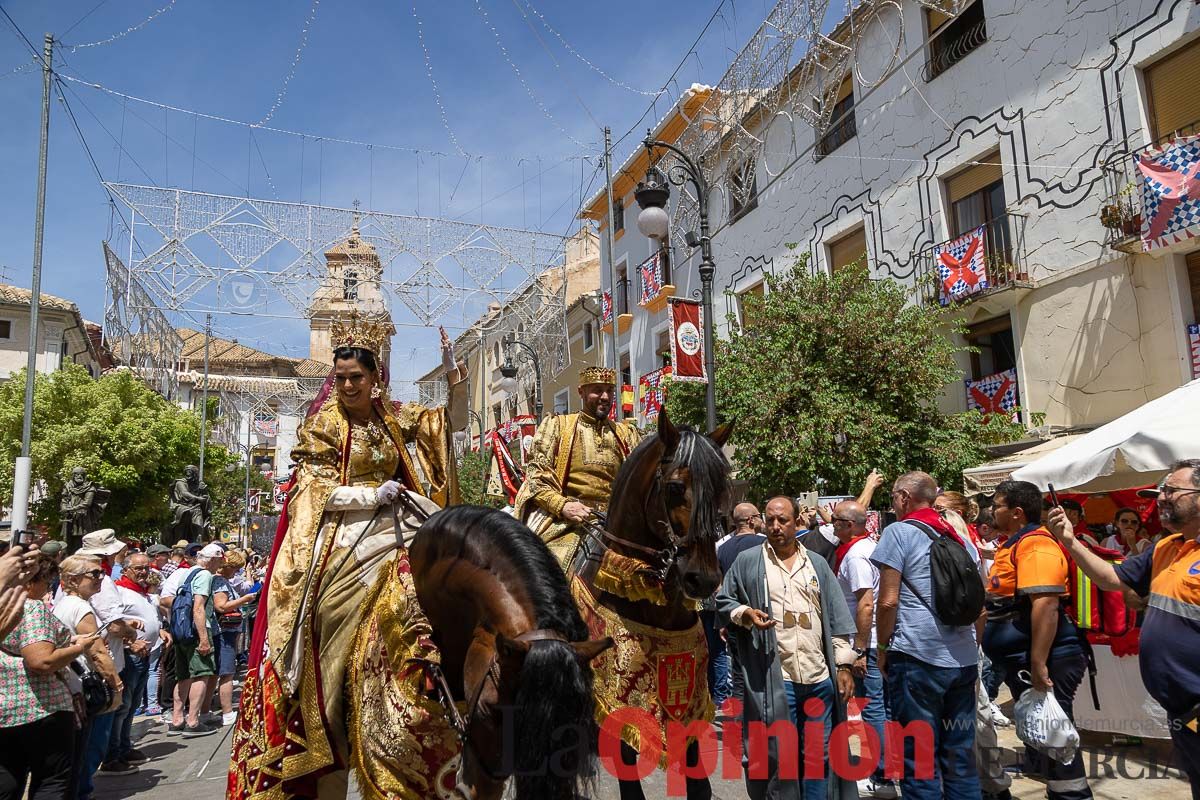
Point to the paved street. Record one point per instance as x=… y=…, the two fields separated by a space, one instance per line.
x=195 y=769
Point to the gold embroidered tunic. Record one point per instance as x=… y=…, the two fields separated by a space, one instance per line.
x=574 y=457
x=292 y=737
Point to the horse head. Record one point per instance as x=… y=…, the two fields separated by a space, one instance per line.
x=667 y=500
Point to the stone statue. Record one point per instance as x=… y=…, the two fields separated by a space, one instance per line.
x=82 y=504
x=191 y=510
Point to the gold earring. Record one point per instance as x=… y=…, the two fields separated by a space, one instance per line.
x=376 y=392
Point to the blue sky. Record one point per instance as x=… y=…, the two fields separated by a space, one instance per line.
x=362 y=76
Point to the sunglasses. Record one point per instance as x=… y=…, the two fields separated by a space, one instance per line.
x=836 y=520
x=95 y=574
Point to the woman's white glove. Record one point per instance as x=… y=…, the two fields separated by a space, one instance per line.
x=387 y=493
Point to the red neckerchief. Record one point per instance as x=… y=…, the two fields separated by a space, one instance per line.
x=106 y=565
x=934 y=520
x=842 y=550
x=128 y=583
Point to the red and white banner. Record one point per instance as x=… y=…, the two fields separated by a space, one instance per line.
x=687 y=341
x=504 y=478
x=651 y=273
x=1170 y=188
x=994 y=394
x=606 y=308
x=1194 y=348
x=522 y=429
x=652 y=392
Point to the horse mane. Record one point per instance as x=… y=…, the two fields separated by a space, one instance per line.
x=556 y=717
x=704 y=460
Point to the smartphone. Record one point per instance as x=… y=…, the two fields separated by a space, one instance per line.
x=808 y=499
x=1053 y=494
x=23 y=538
x=102 y=631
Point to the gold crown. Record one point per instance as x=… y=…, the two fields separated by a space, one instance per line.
x=604 y=375
x=361 y=330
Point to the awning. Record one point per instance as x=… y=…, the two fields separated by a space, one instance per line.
x=1132 y=450
x=984 y=478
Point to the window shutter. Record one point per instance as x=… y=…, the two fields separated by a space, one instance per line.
x=973 y=179
x=1174 y=99
x=847 y=250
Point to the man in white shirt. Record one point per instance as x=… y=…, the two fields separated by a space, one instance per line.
x=132 y=592
x=859 y=579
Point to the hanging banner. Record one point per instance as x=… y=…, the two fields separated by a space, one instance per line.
x=1170 y=190
x=504 y=479
x=627 y=398
x=994 y=394
x=962 y=266
x=266 y=423
x=687 y=343
x=652 y=392
x=520 y=429
x=606 y=308
x=1194 y=348
x=651 y=273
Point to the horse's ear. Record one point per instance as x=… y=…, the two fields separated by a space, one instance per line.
x=586 y=651
x=721 y=434
x=510 y=648
x=668 y=434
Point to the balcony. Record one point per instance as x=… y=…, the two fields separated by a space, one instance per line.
x=1005 y=276
x=1121 y=212
x=621 y=300
x=837 y=135
x=956 y=42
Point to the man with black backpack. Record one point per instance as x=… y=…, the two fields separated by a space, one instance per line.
x=1028 y=628
x=930 y=595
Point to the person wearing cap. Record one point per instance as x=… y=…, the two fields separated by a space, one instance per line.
x=196 y=662
x=176 y=559
x=572 y=465
x=1168 y=574
x=159 y=555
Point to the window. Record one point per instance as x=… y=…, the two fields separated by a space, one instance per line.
x=562 y=400
x=350 y=284
x=626 y=370
x=589 y=337
x=997 y=351
x=744 y=312
x=663 y=350
x=618 y=215
x=496 y=353
x=952 y=38
x=622 y=294
x=849 y=249
x=6 y=329
x=743 y=190
x=842 y=126
x=1193 y=274
x=977 y=198
x=1172 y=99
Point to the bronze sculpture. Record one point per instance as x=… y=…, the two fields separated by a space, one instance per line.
x=82 y=504
x=191 y=509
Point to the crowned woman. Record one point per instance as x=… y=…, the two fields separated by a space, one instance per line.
x=344 y=525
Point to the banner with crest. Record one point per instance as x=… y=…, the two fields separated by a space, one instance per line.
x=687 y=341
x=652 y=392
x=266 y=423
x=651 y=275
x=994 y=394
x=962 y=266
x=606 y=308
x=1170 y=190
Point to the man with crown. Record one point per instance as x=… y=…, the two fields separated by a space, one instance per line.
x=574 y=460
x=341 y=530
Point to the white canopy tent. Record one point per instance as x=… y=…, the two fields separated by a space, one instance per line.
x=1132 y=450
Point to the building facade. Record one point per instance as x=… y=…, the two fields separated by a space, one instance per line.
x=1018 y=122
x=63 y=334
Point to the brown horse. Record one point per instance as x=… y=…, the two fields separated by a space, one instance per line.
x=514 y=649
x=643 y=576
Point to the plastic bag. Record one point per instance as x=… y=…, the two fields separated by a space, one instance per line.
x=1043 y=725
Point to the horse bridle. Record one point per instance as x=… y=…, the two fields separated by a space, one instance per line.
x=462 y=724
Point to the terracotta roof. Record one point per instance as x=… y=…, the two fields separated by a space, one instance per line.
x=307 y=368
x=220 y=349
x=15 y=295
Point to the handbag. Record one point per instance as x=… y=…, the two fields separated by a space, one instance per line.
x=97 y=694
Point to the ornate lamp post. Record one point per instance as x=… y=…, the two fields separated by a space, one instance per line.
x=652 y=196
x=509 y=371
x=463 y=436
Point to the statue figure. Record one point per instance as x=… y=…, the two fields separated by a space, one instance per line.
x=82 y=504
x=191 y=510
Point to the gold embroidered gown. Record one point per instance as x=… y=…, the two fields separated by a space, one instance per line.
x=303 y=705
x=574 y=457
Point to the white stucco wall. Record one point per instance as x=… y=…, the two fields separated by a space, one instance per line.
x=1057 y=88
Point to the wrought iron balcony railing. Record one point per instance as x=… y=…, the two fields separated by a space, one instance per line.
x=945 y=53
x=840 y=133
x=1004 y=264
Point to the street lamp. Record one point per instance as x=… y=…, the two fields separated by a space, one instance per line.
x=508 y=371
x=463 y=436
x=652 y=195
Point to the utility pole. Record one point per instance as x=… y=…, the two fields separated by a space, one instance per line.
x=612 y=275
x=23 y=476
x=204 y=395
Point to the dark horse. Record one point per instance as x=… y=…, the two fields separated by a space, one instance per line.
x=664 y=513
x=514 y=648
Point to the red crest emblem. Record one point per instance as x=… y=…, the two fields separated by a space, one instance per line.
x=676 y=682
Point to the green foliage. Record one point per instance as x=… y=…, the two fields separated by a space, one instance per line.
x=842 y=354
x=128 y=438
x=472 y=479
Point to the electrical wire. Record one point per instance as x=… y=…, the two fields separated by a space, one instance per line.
x=283 y=90
x=124 y=33
x=557 y=66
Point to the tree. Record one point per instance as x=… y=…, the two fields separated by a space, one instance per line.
x=472 y=479
x=835 y=376
x=128 y=438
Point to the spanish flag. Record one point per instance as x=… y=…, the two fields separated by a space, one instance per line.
x=627 y=398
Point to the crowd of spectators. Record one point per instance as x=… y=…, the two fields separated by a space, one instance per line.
x=86 y=649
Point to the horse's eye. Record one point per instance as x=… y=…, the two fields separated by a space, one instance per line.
x=676 y=489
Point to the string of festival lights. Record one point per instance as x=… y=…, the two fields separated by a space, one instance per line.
x=283 y=90
x=71 y=48
x=437 y=94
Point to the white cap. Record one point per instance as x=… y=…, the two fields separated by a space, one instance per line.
x=211 y=551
